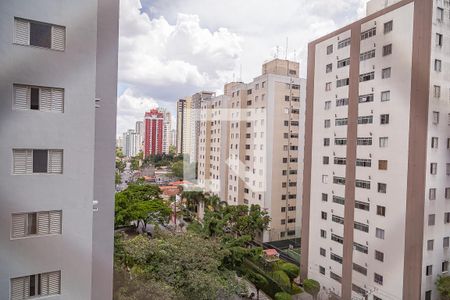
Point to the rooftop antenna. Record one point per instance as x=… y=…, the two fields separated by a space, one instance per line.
x=287 y=44
x=295 y=55
x=278 y=50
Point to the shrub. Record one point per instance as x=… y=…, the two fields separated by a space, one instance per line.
x=291 y=270
x=282 y=279
x=443 y=287
x=311 y=287
x=283 y=296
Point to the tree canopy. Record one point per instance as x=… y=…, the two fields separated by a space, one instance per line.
x=443 y=287
x=192 y=272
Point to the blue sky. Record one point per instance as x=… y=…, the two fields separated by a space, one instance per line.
x=173 y=48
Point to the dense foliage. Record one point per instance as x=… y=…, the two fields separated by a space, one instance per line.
x=191 y=272
x=140 y=203
x=312 y=287
x=443 y=287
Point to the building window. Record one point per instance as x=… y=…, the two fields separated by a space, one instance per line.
x=382 y=188
x=366 y=76
x=382 y=164
x=368 y=33
x=338 y=200
x=381 y=210
x=379 y=255
x=341 y=122
x=435 y=117
x=432 y=194
x=343 y=63
x=385 y=96
x=329 y=49
x=29 y=161
x=428 y=295
x=434 y=142
x=384 y=119
x=32 y=33
x=447 y=193
x=431 y=219
x=379 y=233
x=430 y=245
x=383 y=142
x=439 y=39
x=365 y=120
x=323 y=234
x=38 y=223
x=326 y=160
x=324 y=215
x=342 y=82
x=433 y=168
x=445 y=266
x=446 y=217
x=429 y=270
x=329 y=68
x=326 y=142
x=324 y=197
x=327 y=123
x=387 y=50
x=362 y=205
x=367 y=55
x=388 y=26
x=323 y=252
x=438 y=65
x=322 y=270
x=446 y=242
x=38 y=285
x=386 y=73
x=439 y=14
x=38 y=98
x=327 y=105
x=378 y=279
x=344 y=43
x=437 y=91
x=365 y=98
x=328 y=86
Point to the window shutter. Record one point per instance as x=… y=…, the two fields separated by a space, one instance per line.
x=58 y=38
x=58 y=100
x=44 y=284
x=19 y=288
x=43 y=219
x=55 y=222
x=21 y=97
x=18 y=225
x=21 y=32
x=55 y=161
x=45 y=99
x=22 y=161
x=54 y=283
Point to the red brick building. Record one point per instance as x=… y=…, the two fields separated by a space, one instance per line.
x=154 y=126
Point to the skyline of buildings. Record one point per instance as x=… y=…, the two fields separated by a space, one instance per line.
x=57 y=107
x=250 y=145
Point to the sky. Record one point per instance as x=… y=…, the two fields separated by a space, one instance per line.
x=169 y=49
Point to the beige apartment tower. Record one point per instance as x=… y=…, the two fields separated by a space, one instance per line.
x=250 y=145
x=376 y=197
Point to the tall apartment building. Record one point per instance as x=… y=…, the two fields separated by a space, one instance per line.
x=250 y=145
x=376 y=217
x=188 y=123
x=131 y=142
x=154 y=129
x=140 y=132
x=57 y=110
x=167 y=131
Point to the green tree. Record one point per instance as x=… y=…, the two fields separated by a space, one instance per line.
x=178 y=169
x=120 y=165
x=194 y=273
x=119 y=153
x=258 y=280
x=443 y=287
x=311 y=287
x=291 y=270
x=141 y=203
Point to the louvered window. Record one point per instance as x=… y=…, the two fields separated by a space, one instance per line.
x=38 y=98
x=36 y=223
x=38 y=285
x=29 y=161
x=38 y=34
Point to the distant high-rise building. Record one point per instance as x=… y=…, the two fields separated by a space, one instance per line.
x=58 y=100
x=173 y=138
x=188 y=123
x=251 y=145
x=154 y=129
x=167 y=131
x=376 y=208
x=140 y=132
x=131 y=143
